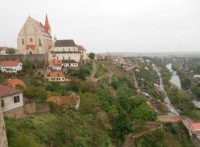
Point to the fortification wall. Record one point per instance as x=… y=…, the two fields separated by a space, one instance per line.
x=3 y=136
x=38 y=60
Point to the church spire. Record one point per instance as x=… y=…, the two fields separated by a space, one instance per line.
x=47 y=26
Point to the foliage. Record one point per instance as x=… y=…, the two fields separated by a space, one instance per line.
x=27 y=65
x=91 y=55
x=101 y=70
x=10 y=51
x=122 y=125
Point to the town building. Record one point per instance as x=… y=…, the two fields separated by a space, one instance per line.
x=3 y=50
x=56 y=65
x=11 y=101
x=10 y=66
x=13 y=104
x=34 y=37
x=55 y=76
x=15 y=83
x=70 y=101
x=67 y=51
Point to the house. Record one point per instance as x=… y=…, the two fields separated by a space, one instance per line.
x=15 y=83
x=70 y=63
x=56 y=76
x=56 y=64
x=196 y=128
x=10 y=66
x=71 y=100
x=11 y=101
x=3 y=50
x=34 y=37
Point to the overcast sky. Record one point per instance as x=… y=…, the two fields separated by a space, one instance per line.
x=110 y=25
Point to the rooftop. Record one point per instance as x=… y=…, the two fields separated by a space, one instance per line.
x=7 y=91
x=9 y=63
x=70 y=99
x=15 y=82
x=54 y=74
x=65 y=43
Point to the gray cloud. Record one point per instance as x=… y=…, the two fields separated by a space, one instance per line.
x=110 y=25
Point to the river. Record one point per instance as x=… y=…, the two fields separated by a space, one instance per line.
x=176 y=81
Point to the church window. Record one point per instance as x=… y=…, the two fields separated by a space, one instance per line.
x=40 y=44
x=22 y=41
x=31 y=40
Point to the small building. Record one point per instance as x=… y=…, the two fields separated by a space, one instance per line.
x=10 y=66
x=11 y=101
x=15 y=83
x=70 y=63
x=56 y=76
x=196 y=128
x=196 y=76
x=70 y=101
x=3 y=50
x=56 y=65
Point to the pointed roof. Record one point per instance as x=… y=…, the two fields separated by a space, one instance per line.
x=47 y=26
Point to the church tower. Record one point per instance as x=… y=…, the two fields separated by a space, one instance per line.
x=47 y=26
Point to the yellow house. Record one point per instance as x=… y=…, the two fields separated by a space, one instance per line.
x=55 y=76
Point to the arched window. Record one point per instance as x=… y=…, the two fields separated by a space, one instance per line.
x=22 y=41
x=40 y=44
x=31 y=40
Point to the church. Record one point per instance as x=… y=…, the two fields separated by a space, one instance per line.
x=34 y=37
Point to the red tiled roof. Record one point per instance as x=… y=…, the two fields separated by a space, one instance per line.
x=195 y=125
x=3 y=48
x=64 y=100
x=30 y=47
x=9 y=63
x=7 y=91
x=15 y=82
x=55 y=62
x=54 y=74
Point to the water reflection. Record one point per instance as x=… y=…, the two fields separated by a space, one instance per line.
x=176 y=81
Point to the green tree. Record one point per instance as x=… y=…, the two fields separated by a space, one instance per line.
x=10 y=51
x=27 y=65
x=91 y=55
x=122 y=125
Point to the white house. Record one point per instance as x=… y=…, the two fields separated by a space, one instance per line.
x=56 y=65
x=11 y=98
x=3 y=50
x=70 y=63
x=10 y=66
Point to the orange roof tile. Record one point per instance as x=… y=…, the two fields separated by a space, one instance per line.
x=9 y=63
x=15 y=82
x=30 y=47
x=195 y=126
x=64 y=100
x=54 y=74
x=55 y=62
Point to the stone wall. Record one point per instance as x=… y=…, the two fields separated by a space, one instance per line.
x=15 y=113
x=3 y=136
x=26 y=110
x=38 y=60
